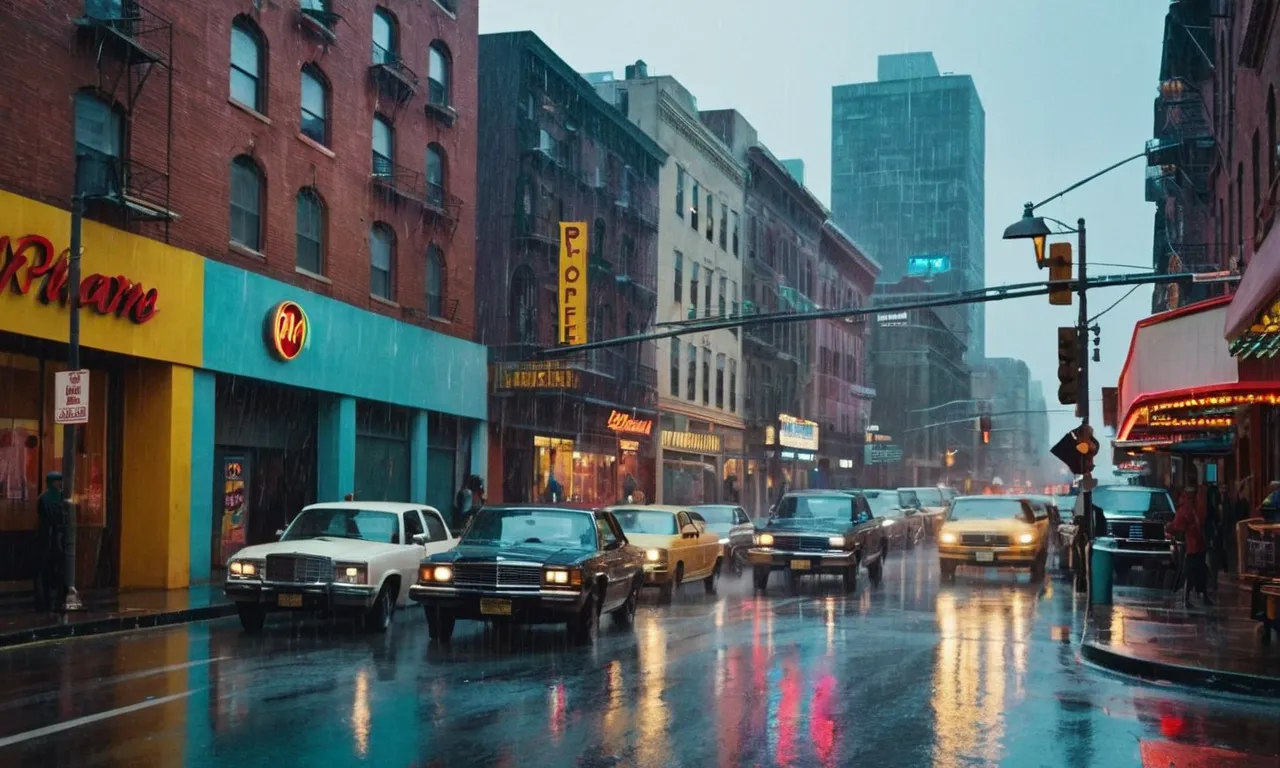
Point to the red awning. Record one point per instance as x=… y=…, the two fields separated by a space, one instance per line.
x=1258 y=287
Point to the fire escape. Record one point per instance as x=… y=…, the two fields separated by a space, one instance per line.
x=1182 y=156
x=129 y=186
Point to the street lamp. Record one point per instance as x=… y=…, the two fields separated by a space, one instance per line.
x=1030 y=227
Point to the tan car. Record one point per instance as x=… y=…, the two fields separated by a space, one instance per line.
x=994 y=532
x=677 y=545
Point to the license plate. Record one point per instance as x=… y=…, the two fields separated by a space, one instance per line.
x=984 y=557
x=289 y=601
x=799 y=565
x=494 y=607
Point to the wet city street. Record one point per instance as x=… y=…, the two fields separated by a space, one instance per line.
x=913 y=673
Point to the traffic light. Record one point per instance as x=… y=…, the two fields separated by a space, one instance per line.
x=984 y=424
x=1086 y=446
x=1060 y=269
x=1068 y=365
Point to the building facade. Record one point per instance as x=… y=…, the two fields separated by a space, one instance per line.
x=247 y=265
x=907 y=180
x=1003 y=387
x=581 y=428
x=700 y=244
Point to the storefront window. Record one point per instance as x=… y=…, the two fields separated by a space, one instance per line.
x=688 y=482
x=553 y=480
x=568 y=474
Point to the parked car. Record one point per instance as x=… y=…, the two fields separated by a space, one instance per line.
x=533 y=565
x=935 y=503
x=1136 y=518
x=677 y=544
x=820 y=532
x=342 y=557
x=735 y=529
x=994 y=531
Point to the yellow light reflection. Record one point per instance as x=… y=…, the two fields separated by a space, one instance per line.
x=360 y=717
x=830 y=610
x=653 y=746
x=615 y=715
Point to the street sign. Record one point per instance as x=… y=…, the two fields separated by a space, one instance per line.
x=71 y=397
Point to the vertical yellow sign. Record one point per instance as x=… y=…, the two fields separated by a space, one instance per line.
x=573 y=282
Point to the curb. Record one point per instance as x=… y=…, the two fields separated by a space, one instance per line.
x=116 y=624
x=1197 y=677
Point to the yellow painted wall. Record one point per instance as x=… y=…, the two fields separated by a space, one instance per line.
x=156 y=477
x=175 y=333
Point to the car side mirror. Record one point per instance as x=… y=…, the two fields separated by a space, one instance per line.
x=690 y=531
x=420 y=539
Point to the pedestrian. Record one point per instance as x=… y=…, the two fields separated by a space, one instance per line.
x=1189 y=522
x=477 y=494
x=555 y=493
x=51 y=510
x=462 y=505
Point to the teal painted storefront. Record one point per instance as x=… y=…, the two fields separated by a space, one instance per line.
x=351 y=356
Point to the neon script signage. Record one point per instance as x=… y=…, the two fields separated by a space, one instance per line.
x=287 y=330
x=31 y=258
x=621 y=422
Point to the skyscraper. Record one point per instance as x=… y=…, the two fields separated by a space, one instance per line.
x=907 y=179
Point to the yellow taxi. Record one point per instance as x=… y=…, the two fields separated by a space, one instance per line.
x=678 y=546
x=994 y=532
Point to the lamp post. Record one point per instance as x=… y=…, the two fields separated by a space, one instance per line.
x=69 y=444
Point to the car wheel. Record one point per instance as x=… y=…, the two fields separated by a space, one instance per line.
x=582 y=628
x=625 y=617
x=709 y=583
x=760 y=578
x=379 y=615
x=679 y=580
x=850 y=578
x=252 y=617
x=440 y=623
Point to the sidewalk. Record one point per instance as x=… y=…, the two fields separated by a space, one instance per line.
x=1148 y=633
x=112 y=611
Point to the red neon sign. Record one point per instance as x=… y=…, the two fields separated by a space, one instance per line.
x=287 y=330
x=119 y=296
x=621 y=422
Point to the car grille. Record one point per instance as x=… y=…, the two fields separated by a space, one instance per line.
x=497 y=575
x=802 y=543
x=984 y=540
x=299 y=569
x=1124 y=530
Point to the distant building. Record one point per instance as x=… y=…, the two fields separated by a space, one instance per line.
x=1012 y=453
x=907 y=180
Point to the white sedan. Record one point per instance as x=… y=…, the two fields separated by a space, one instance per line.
x=351 y=556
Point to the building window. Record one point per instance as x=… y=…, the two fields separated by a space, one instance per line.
x=706 y=376
x=439 y=75
x=707 y=305
x=675 y=367
x=381 y=245
x=310 y=231
x=246 y=203
x=679 y=277
x=626 y=261
x=435 y=281
x=733 y=303
x=735 y=229
x=691 y=381
x=724 y=227
x=693 y=289
x=724 y=284
x=435 y=175
x=720 y=381
x=624 y=187
x=247 y=65
x=598 y=233
x=733 y=386
x=99 y=140
x=711 y=215
x=383 y=146
x=524 y=306
x=693 y=212
x=384 y=37
x=315 y=105
x=680 y=174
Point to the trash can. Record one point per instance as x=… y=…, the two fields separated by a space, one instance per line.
x=1101 y=570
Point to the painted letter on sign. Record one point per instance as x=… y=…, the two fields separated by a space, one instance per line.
x=573 y=282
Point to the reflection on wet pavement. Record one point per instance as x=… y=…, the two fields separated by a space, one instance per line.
x=913 y=672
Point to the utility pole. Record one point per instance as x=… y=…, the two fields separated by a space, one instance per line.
x=1082 y=399
x=70 y=447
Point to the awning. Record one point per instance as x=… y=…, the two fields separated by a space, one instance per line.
x=1258 y=289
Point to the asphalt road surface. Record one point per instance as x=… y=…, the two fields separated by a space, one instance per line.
x=912 y=673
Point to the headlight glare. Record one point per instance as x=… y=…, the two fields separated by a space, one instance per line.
x=237 y=567
x=836 y=541
x=1026 y=538
x=948 y=538
x=556 y=577
x=442 y=573
x=724 y=541
x=765 y=539
x=653 y=555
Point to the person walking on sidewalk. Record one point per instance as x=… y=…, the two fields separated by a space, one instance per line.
x=1188 y=521
x=50 y=542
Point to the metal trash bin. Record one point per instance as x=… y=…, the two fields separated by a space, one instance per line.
x=1101 y=570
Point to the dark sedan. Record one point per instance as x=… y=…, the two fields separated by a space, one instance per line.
x=533 y=565
x=820 y=532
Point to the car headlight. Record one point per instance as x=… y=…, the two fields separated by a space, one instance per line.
x=562 y=577
x=724 y=541
x=765 y=539
x=245 y=569
x=351 y=573
x=836 y=541
x=1026 y=538
x=948 y=538
x=653 y=555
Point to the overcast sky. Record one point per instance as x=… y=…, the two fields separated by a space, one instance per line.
x=1067 y=85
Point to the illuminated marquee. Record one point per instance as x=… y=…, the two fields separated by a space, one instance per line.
x=797 y=433
x=622 y=422
x=692 y=442
x=542 y=375
x=288 y=330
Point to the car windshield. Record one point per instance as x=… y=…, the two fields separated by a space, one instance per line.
x=646 y=521
x=930 y=497
x=810 y=507
x=532 y=526
x=1147 y=503
x=343 y=523
x=716 y=514
x=990 y=508
x=882 y=503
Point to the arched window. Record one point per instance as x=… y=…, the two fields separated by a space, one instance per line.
x=383 y=146
x=524 y=306
x=382 y=244
x=246 y=203
x=435 y=174
x=315 y=105
x=439 y=64
x=248 y=65
x=310 y=231
x=435 y=281
x=385 y=49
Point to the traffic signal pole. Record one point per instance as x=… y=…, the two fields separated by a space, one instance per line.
x=1082 y=398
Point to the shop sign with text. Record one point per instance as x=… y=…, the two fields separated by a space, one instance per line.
x=622 y=422
x=32 y=261
x=71 y=403
x=691 y=442
x=797 y=433
x=540 y=375
x=288 y=330
x=573 y=282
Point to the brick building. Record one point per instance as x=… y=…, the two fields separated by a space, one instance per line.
x=279 y=201
x=554 y=151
